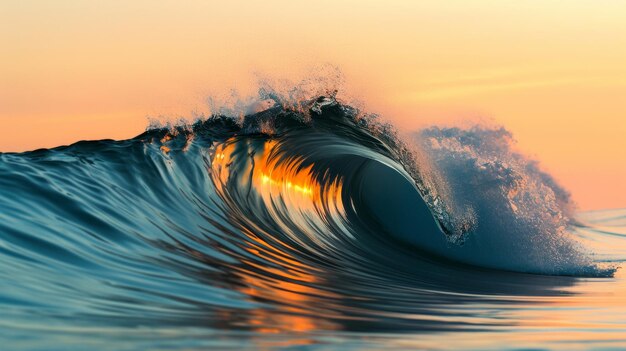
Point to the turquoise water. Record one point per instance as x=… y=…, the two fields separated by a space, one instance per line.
x=321 y=229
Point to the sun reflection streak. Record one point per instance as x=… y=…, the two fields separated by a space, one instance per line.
x=273 y=177
x=279 y=182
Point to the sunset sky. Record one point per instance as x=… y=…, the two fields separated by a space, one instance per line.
x=552 y=72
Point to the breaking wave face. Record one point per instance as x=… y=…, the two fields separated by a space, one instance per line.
x=312 y=216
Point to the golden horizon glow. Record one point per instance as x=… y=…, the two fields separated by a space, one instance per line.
x=550 y=72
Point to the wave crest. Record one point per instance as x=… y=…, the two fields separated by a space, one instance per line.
x=491 y=207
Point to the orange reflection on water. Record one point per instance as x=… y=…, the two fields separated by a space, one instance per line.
x=303 y=189
x=271 y=176
x=286 y=281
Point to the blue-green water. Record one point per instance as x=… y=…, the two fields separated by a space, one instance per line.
x=302 y=230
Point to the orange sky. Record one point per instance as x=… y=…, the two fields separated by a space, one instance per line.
x=552 y=72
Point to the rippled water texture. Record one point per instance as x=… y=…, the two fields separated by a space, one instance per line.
x=314 y=227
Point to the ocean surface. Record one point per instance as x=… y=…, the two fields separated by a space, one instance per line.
x=308 y=226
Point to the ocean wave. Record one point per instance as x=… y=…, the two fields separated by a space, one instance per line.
x=312 y=215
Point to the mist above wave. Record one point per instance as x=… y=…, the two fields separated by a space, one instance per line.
x=524 y=218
